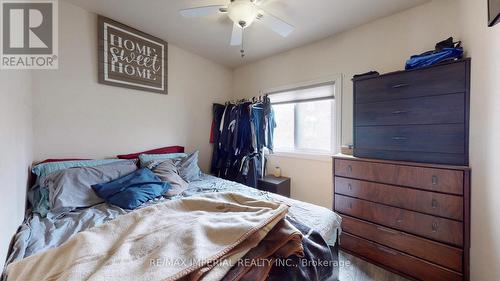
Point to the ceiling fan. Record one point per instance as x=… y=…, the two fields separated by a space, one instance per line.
x=243 y=13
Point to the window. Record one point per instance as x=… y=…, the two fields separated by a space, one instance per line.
x=305 y=119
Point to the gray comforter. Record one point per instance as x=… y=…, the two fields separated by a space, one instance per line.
x=38 y=234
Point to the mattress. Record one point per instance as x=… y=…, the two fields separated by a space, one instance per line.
x=38 y=234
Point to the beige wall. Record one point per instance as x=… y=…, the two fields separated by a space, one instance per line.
x=382 y=45
x=74 y=116
x=15 y=151
x=483 y=45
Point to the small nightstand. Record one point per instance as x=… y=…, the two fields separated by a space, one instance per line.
x=273 y=184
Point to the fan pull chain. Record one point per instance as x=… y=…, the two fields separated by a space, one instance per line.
x=242 y=51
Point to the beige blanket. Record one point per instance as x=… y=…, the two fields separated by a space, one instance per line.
x=192 y=238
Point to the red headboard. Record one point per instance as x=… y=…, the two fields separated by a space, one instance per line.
x=163 y=150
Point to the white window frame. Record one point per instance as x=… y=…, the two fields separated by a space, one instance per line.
x=336 y=138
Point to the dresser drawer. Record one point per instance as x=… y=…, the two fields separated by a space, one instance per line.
x=417 y=138
x=438 y=253
x=443 y=230
x=413 y=156
x=404 y=263
x=440 y=180
x=438 y=204
x=442 y=109
x=445 y=79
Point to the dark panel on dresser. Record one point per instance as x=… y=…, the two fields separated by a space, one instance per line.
x=438 y=138
x=438 y=158
x=414 y=111
x=411 y=218
x=419 y=115
x=441 y=79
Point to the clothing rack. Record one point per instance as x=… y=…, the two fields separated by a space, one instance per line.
x=240 y=131
x=252 y=99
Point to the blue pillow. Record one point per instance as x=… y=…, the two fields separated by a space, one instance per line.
x=151 y=157
x=43 y=169
x=39 y=197
x=131 y=191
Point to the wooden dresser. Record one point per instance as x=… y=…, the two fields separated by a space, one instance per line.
x=419 y=115
x=411 y=218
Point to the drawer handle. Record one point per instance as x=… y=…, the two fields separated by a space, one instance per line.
x=399 y=221
x=349 y=186
x=402 y=85
x=435 y=180
x=349 y=169
x=383 y=249
x=350 y=205
x=400 y=111
x=399 y=138
x=435 y=204
x=390 y=231
x=435 y=227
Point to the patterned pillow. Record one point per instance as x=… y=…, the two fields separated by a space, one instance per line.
x=188 y=167
x=167 y=172
x=145 y=158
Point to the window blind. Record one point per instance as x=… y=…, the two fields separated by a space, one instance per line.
x=304 y=94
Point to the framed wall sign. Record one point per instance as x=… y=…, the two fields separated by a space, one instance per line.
x=493 y=12
x=130 y=58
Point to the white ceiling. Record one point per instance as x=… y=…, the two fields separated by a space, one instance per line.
x=209 y=36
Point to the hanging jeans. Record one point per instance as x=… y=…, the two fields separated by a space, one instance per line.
x=218 y=111
x=257 y=117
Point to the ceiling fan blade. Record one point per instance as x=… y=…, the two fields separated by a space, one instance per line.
x=203 y=11
x=237 y=35
x=277 y=25
x=261 y=2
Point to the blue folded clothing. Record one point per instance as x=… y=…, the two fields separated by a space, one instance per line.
x=428 y=59
x=132 y=190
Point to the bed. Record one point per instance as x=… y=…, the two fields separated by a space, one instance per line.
x=38 y=234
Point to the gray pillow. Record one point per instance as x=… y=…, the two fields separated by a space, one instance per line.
x=188 y=167
x=167 y=171
x=72 y=188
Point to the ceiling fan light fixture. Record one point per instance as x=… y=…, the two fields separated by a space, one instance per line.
x=242 y=12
